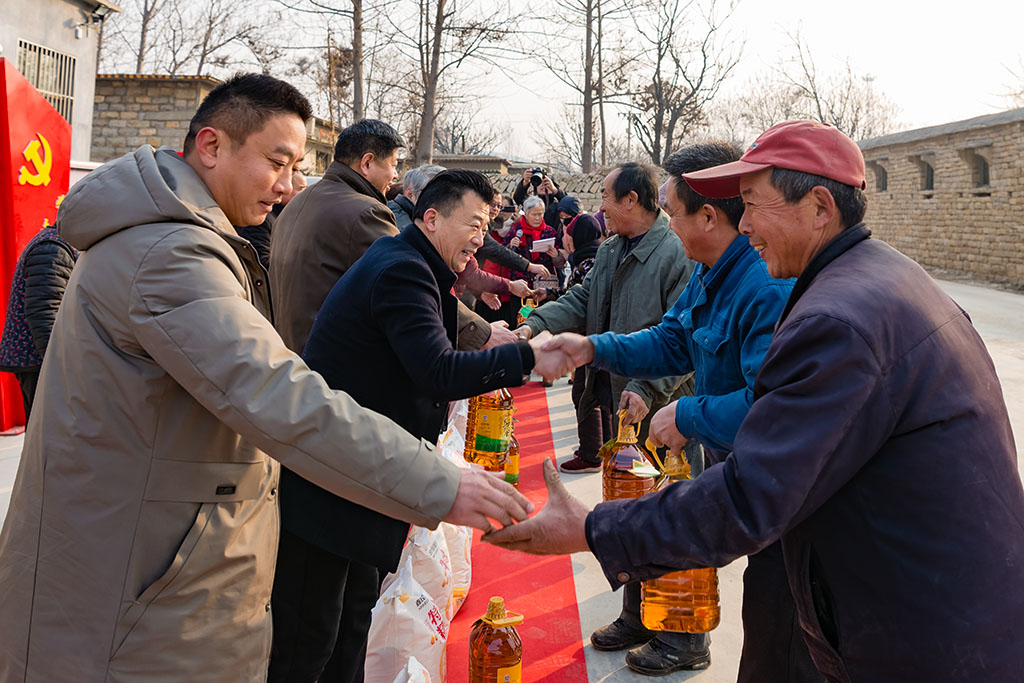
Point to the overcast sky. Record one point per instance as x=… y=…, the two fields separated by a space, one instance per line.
x=939 y=61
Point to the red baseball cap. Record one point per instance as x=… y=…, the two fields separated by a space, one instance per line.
x=807 y=146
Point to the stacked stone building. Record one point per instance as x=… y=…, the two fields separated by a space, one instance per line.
x=951 y=196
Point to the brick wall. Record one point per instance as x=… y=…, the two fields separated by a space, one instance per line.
x=585 y=187
x=131 y=111
x=963 y=224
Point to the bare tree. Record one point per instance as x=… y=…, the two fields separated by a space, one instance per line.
x=457 y=131
x=439 y=38
x=562 y=141
x=582 y=68
x=682 y=71
x=131 y=34
x=846 y=100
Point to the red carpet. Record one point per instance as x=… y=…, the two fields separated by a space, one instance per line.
x=541 y=588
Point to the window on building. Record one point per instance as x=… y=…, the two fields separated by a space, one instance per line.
x=881 y=178
x=927 y=176
x=51 y=72
x=980 y=171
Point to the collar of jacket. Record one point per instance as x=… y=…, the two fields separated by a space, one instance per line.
x=738 y=250
x=414 y=237
x=838 y=245
x=343 y=173
x=405 y=204
x=652 y=238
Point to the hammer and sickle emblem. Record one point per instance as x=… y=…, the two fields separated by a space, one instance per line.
x=40 y=164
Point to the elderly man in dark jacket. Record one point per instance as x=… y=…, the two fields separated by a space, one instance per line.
x=37 y=288
x=386 y=336
x=878 y=447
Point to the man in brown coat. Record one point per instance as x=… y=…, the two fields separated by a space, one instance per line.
x=141 y=536
x=329 y=226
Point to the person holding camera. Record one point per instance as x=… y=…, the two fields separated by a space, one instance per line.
x=542 y=185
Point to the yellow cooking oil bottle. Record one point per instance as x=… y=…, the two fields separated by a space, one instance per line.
x=495 y=650
x=525 y=310
x=619 y=457
x=685 y=601
x=489 y=429
x=512 y=461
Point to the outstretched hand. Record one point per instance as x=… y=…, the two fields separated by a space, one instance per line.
x=485 y=496
x=579 y=348
x=663 y=431
x=549 y=364
x=558 y=529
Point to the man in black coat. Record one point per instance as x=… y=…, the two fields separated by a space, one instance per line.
x=878 y=447
x=386 y=335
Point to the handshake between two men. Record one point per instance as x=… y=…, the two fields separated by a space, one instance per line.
x=557 y=355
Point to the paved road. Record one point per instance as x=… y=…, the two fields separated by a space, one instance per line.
x=999 y=317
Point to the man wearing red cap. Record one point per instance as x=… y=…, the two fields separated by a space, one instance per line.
x=878 y=447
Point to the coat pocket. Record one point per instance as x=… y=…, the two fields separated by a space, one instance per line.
x=137 y=608
x=712 y=338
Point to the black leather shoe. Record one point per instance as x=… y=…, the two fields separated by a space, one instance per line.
x=655 y=658
x=619 y=635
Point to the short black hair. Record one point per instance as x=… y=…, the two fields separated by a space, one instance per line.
x=242 y=105
x=639 y=178
x=794 y=186
x=366 y=135
x=696 y=158
x=445 y=191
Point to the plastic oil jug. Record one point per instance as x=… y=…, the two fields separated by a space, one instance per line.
x=489 y=429
x=512 y=462
x=685 y=601
x=524 y=312
x=495 y=650
x=619 y=457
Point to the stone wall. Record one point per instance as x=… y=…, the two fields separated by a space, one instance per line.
x=964 y=223
x=585 y=187
x=131 y=111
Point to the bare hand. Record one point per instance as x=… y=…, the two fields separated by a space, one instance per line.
x=635 y=407
x=540 y=295
x=538 y=269
x=549 y=364
x=500 y=334
x=551 y=251
x=523 y=332
x=663 y=430
x=579 y=348
x=514 y=242
x=491 y=300
x=520 y=289
x=483 y=496
x=527 y=174
x=558 y=529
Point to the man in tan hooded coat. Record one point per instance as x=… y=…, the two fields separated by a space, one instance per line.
x=142 y=532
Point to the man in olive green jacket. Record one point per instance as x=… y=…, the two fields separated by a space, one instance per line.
x=638 y=274
x=140 y=541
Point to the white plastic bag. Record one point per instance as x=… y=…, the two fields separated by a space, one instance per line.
x=413 y=672
x=431 y=566
x=460 y=544
x=406 y=623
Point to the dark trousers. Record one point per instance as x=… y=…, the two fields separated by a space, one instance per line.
x=594 y=428
x=27 y=380
x=774 y=650
x=508 y=311
x=321 y=607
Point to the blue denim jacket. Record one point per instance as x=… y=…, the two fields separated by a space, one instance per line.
x=720 y=329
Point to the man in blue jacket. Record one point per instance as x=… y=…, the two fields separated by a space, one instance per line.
x=386 y=335
x=878 y=447
x=719 y=329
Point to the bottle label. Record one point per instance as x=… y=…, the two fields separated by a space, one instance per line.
x=493 y=430
x=511 y=674
x=512 y=466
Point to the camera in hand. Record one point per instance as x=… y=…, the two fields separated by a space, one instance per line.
x=538 y=176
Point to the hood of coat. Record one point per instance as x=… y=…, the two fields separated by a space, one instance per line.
x=146 y=186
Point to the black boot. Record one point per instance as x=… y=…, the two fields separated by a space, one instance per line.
x=656 y=658
x=619 y=635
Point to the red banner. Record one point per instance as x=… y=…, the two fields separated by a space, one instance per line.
x=35 y=166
